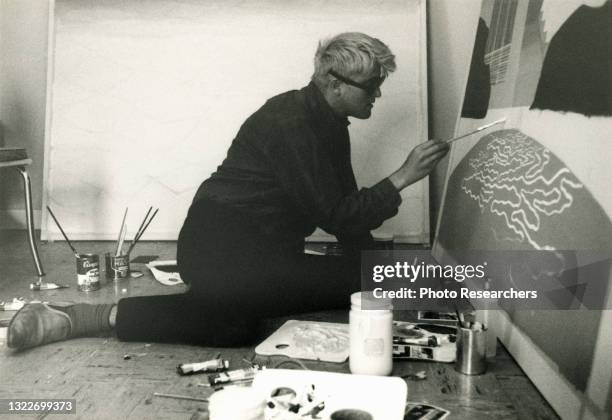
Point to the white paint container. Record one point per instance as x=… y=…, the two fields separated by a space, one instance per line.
x=370 y=335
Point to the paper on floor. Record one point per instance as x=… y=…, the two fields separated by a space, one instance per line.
x=165 y=272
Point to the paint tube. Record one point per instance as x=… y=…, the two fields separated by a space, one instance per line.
x=47 y=286
x=233 y=375
x=430 y=341
x=14 y=305
x=208 y=366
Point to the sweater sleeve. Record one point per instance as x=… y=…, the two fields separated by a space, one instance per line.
x=305 y=171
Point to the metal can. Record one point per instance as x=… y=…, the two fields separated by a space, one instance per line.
x=117 y=267
x=88 y=272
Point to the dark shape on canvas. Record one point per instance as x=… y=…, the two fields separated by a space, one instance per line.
x=577 y=71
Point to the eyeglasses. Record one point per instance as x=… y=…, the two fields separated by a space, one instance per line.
x=370 y=85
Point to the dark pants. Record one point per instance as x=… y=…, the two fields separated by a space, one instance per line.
x=237 y=277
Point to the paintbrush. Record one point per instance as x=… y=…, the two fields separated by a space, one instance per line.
x=179 y=397
x=142 y=231
x=76 y=254
x=484 y=127
x=143 y=222
x=121 y=234
x=121 y=240
x=147 y=225
x=143 y=227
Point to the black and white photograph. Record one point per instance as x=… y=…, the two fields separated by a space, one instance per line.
x=222 y=209
x=416 y=411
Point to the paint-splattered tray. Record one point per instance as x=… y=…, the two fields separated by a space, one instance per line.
x=324 y=341
x=375 y=397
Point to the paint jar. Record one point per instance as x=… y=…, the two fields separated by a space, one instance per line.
x=117 y=267
x=88 y=272
x=471 y=350
x=370 y=335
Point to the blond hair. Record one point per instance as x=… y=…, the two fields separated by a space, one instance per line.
x=350 y=54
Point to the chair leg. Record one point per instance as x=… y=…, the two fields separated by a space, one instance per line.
x=30 y=220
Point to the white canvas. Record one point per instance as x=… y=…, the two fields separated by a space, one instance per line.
x=145 y=98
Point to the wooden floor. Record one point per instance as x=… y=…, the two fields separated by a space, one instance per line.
x=107 y=386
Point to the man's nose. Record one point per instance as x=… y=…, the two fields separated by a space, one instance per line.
x=377 y=93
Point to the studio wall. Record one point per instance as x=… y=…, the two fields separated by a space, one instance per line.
x=23 y=79
x=146 y=97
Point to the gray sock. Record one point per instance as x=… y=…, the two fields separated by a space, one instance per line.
x=87 y=319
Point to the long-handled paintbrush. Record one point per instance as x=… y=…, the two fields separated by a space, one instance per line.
x=122 y=231
x=141 y=231
x=76 y=254
x=484 y=127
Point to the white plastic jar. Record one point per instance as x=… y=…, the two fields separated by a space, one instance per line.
x=370 y=335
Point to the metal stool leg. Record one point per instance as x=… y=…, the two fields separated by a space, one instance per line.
x=29 y=220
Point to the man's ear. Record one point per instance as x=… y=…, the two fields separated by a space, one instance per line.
x=335 y=86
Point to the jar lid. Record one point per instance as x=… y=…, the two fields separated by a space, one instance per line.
x=367 y=301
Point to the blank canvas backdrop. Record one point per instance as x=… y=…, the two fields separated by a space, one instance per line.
x=144 y=99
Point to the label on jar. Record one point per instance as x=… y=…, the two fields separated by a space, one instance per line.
x=373 y=346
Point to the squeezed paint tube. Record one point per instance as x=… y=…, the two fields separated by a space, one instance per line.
x=233 y=375
x=430 y=341
x=208 y=366
x=46 y=286
x=14 y=305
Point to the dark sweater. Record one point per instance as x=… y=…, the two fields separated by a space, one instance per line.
x=289 y=169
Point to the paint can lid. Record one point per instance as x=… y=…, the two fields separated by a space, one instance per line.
x=367 y=301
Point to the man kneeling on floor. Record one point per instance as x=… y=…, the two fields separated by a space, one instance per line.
x=240 y=249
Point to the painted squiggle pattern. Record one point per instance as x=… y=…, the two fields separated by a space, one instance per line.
x=512 y=178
